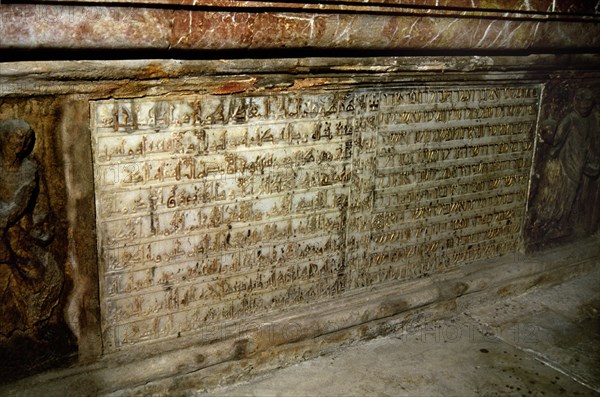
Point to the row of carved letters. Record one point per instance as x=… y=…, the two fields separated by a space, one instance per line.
x=193 y=221
x=390 y=199
x=177 y=196
x=202 y=142
x=248 y=305
x=224 y=110
x=333 y=167
x=281 y=273
x=219 y=245
x=390 y=157
x=191 y=168
x=211 y=191
x=388 y=179
x=180 y=297
x=458 y=133
x=174 y=224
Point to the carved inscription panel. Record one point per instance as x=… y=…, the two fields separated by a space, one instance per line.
x=216 y=208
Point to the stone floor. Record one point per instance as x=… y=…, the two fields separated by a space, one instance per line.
x=544 y=343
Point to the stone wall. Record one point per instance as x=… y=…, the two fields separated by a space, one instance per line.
x=184 y=214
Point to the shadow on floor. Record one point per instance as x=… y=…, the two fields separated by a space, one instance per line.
x=544 y=343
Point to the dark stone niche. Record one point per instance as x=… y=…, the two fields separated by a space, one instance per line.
x=565 y=188
x=33 y=281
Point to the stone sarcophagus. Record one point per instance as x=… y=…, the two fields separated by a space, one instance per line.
x=326 y=173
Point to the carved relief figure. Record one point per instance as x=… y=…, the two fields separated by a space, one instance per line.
x=31 y=281
x=573 y=156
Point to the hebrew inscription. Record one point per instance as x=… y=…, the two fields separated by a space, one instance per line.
x=215 y=208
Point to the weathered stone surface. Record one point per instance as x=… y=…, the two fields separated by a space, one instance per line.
x=67 y=329
x=435 y=7
x=213 y=209
x=539 y=343
x=55 y=99
x=558 y=326
x=211 y=28
x=565 y=186
x=33 y=333
x=224 y=354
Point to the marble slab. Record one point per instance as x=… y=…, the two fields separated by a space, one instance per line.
x=267 y=26
x=215 y=208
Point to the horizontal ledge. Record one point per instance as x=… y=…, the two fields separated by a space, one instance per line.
x=77 y=27
x=504 y=9
x=24 y=74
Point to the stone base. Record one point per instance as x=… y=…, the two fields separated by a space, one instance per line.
x=240 y=350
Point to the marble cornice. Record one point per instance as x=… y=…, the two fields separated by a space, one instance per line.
x=164 y=25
